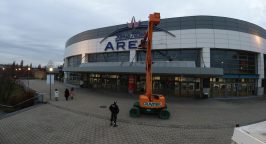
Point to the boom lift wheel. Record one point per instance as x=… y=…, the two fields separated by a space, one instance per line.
x=164 y=114
x=134 y=112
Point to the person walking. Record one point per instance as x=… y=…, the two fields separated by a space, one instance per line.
x=81 y=83
x=72 y=93
x=114 y=111
x=56 y=94
x=66 y=94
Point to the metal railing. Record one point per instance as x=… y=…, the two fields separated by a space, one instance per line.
x=38 y=98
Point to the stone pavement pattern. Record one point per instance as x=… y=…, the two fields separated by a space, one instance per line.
x=49 y=125
x=83 y=121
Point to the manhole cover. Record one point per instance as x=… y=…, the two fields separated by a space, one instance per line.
x=103 y=106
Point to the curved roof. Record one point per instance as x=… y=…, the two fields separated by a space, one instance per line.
x=180 y=23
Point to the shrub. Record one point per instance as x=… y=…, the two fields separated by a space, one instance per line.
x=13 y=93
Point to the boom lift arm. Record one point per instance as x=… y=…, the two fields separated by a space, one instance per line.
x=154 y=19
x=150 y=103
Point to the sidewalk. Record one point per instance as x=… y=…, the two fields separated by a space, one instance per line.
x=186 y=112
x=86 y=120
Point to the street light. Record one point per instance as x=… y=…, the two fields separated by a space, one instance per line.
x=28 y=77
x=50 y=71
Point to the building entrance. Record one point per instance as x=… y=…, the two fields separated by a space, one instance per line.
x=232 y=87
x=188 y=89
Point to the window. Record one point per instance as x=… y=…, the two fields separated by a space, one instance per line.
x=234 y=62
x=109 y=57
x=74 y=61
x=172 y=55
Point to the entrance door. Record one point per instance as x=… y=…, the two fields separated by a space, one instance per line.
x=191 y=89
x=177 y=89
x=187 y=89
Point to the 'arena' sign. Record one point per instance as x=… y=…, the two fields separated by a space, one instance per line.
x=122 y=45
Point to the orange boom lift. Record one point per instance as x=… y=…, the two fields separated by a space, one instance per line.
x=148 y=102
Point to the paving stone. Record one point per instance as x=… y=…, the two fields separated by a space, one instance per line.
x=83 y=121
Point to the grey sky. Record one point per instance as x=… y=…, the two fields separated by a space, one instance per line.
x=36 y=30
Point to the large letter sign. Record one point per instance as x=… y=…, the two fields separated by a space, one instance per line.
x=109 y=46
x=132 y=44
x=120 y=45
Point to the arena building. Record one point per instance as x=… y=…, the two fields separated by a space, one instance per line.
x=191 y=56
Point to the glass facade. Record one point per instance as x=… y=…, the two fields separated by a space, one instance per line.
x=240 y=69
x=74 y=61
x=167 y=85
x=234 y=62
x=113 y=82
x=172 y=55
x=240 y=73
x=232 y=86
x=108 y=57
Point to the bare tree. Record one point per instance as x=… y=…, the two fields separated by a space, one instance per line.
x=50 y=64
x=21 y=63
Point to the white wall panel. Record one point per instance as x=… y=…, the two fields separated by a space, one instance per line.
x=191 y=38
x=234 y=45
x=218 y=31
x=221 y=45
x=205 y=40
x=173 y=45
x=205 y=36
x=173 y=41
x=201 y=44
x=188 y=36
x=188 y=41
x=187 y=31
x=221 y=41
x=205 y=31
x=188 y=45
x=161 y=41
x=159 y=46
x=220 y=36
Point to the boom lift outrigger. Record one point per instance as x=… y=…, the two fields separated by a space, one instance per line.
x=148 y=102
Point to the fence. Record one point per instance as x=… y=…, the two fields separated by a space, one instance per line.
x=38 y=99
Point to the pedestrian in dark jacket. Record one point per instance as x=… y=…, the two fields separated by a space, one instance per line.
x=114 y=111
x=66 y=94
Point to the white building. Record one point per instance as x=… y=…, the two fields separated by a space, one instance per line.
x=191 y=55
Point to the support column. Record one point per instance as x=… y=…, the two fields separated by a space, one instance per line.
x=66 y=77
x=65 y=62
x=65 y=73
x=83 y=58
x=260 y=89
x=205 y=62
x=132 y=55
x=205 y=58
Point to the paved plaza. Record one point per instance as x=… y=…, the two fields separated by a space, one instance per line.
x=86 y=120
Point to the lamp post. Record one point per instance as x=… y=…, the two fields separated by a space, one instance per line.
x=50 y=71
x=28 y=77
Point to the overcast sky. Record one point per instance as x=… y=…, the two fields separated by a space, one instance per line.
x=36 y=30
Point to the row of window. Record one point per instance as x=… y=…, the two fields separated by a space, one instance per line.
x=226 y=24
x=74 y=61
x=172 y=55
x=232 y=61
x=108 y=57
